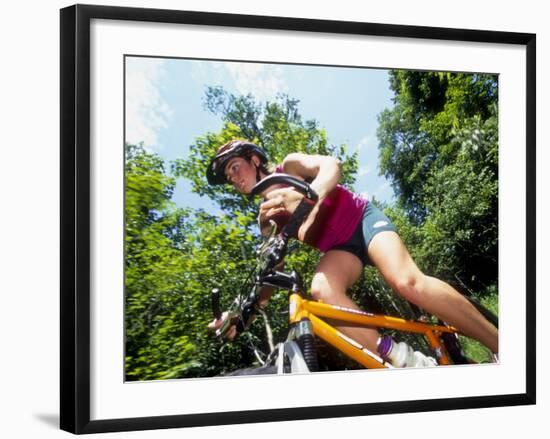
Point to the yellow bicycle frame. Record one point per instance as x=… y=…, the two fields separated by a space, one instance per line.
x=301 y=309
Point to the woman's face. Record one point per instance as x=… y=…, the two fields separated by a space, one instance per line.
x=241 y=173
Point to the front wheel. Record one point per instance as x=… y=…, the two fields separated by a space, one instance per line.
x=261 y=370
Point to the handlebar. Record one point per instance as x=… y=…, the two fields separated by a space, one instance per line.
x=299 y=185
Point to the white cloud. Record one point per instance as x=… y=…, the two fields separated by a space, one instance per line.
x=146 y=112
x=363 y=171
x=364 y=142
x=261 y=80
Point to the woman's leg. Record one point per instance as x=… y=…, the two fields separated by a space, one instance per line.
x=337 y=271
x=388 y=253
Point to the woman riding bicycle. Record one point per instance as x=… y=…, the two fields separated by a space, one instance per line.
x=351 y=232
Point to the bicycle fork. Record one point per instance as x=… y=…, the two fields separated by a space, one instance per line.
x=306 y=325
x=302 y=332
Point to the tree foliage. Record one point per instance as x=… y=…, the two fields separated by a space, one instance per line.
x=173 y=258
x=439 y=148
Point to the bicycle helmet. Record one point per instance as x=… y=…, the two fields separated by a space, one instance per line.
x=235 y=148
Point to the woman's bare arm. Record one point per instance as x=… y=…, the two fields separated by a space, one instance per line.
x=325 y=171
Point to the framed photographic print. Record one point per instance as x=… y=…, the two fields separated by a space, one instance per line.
x=383 y=155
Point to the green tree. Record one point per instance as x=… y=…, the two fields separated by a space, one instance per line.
x=173 y=258
x=154 y=255
x=439 y=147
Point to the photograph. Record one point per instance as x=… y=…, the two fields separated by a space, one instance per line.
x=393 y=264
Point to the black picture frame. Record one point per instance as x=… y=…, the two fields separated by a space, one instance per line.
x=75 y=216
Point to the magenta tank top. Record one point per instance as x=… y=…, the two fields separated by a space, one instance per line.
x=339 y=215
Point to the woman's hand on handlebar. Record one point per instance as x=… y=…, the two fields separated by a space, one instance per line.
x=286 y=200
x=223 y=327
x=279 y=201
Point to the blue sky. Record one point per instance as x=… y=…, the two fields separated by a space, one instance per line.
x=164 y=107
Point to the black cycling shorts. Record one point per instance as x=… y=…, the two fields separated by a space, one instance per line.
x=373 y=221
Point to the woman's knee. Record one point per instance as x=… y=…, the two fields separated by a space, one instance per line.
x=336 y=272
x=410 y=286
x=321 y=289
